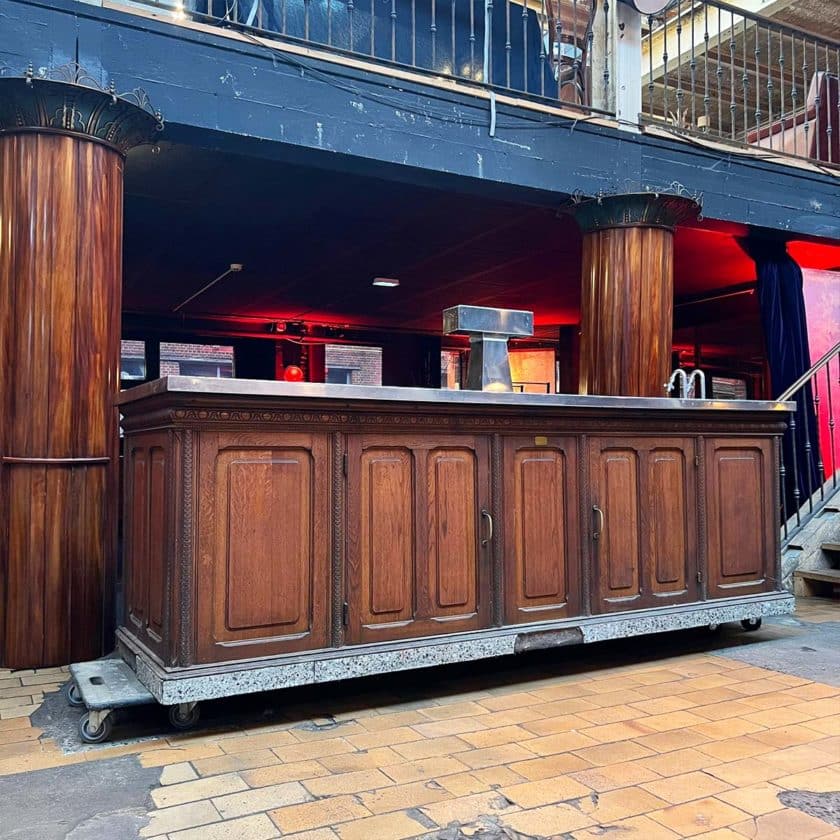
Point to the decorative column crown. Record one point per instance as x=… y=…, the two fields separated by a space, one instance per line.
x=68 y=100
x=634 y=209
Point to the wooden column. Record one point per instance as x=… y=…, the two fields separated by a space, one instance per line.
x=627 y=300
x=62 y=147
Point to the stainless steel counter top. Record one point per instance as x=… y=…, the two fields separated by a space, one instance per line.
x=191 y=386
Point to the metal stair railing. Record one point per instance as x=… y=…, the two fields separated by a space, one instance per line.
x=812 y=467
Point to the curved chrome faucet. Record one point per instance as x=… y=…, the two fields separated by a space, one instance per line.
x=697 y=374
x=680 y=374
x=686 y=383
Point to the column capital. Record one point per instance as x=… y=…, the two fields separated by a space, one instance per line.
x=68 y=100
x=637 y=209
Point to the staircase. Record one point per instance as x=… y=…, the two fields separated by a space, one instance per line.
x=809 y=475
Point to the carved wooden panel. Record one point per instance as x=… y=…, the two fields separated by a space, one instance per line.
x=671 y=521
x=415 y=563
x=147 y=529
x=452 y=516
x=386 y=536
x=615 y=476
x=542 y=549
x=263 y=544
x=741 y=536
x=646 y=552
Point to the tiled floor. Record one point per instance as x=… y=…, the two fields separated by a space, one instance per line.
x=693 y=745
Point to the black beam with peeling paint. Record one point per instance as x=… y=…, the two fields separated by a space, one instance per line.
x=243 y=97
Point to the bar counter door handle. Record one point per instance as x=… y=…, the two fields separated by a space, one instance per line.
x=486 y=540
x=596 y=535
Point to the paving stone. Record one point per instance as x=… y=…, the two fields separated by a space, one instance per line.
x=255 y=827
x=428 y=747
x=175 y=755
x=733 y=749
x=545 y=791
x=199 y=789
x=679 y=761
x=756 y=799
x=784 y=825
x=279 y=773
x=698 y=816
x=613 y=753
x=365 y=760
x=427 y=768
x=614 y=805
x=353 y=782
x=179 y=817
x=548 y=821
x=237 y=761
x=260 y=799
x=685 y=787
x=314 y=749
x=327 y=812
x=175 y=773
x=633 y=828
x=389 y=737
x=823 y=780
x=615 y=776
x=553 y=765
x=401 y=797
x=467 y=809
x=396 y=826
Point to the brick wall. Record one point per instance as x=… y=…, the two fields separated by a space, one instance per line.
x=365 y=362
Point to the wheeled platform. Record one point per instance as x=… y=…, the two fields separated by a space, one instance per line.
x=104 y=685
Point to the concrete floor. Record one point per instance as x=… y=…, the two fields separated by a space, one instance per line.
x=716 y=736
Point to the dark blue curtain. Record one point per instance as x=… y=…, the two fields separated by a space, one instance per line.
x=782 y=304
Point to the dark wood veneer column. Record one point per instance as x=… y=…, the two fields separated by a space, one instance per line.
x=62 y=147
x=627 y=300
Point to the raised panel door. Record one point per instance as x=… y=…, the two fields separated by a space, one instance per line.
x=616 y=536
x=542 y=542
x=644 y=534
x=670 y=523
x=741 y=515
x=263 y=544
x=415 y=561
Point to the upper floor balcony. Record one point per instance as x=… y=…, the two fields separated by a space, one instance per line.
x=712 y=73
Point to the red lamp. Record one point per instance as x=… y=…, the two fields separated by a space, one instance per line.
x=293 y=374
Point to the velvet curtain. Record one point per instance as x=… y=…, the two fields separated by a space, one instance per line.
x=782 y=304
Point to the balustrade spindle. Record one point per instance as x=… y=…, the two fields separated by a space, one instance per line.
x=706 y=96
x=693 y=67
x=665 y=68
x=525 y=47
x=719 y=75
x=732 y=47
x=745 y=78
x=796 y=493
x=782 y=115
x=544 y=17
x=433 y=30
x=589 y=36
x=769 y=84
x=806 y=123
x=393 y=30
x=794 y=93
x=507 y=43
x=820 y=465
x=472 y=39
x=757 y=55
x=372 y=28
x=650 y=85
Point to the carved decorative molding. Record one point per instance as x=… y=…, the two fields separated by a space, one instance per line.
x=68 y=100
x=639 y=209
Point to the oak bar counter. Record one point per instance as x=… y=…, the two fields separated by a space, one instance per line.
x=278 y=534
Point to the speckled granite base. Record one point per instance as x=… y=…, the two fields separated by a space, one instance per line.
x=228 y=680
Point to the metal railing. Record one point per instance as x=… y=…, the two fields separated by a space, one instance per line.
x=539 y=48
x=715 y=70
x=809 y=465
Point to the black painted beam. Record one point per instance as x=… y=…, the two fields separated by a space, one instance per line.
x=243 y=97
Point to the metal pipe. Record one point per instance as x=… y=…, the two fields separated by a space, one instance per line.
x=234 y=268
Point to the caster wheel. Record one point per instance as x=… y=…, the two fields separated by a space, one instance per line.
x=73 y=695
x=181 y=720
x=94 y=736
x=751 y=624
x=713 y=628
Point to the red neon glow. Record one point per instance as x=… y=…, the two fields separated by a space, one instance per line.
x=293 y=374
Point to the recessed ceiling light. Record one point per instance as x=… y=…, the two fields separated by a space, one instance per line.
x=390 y=282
